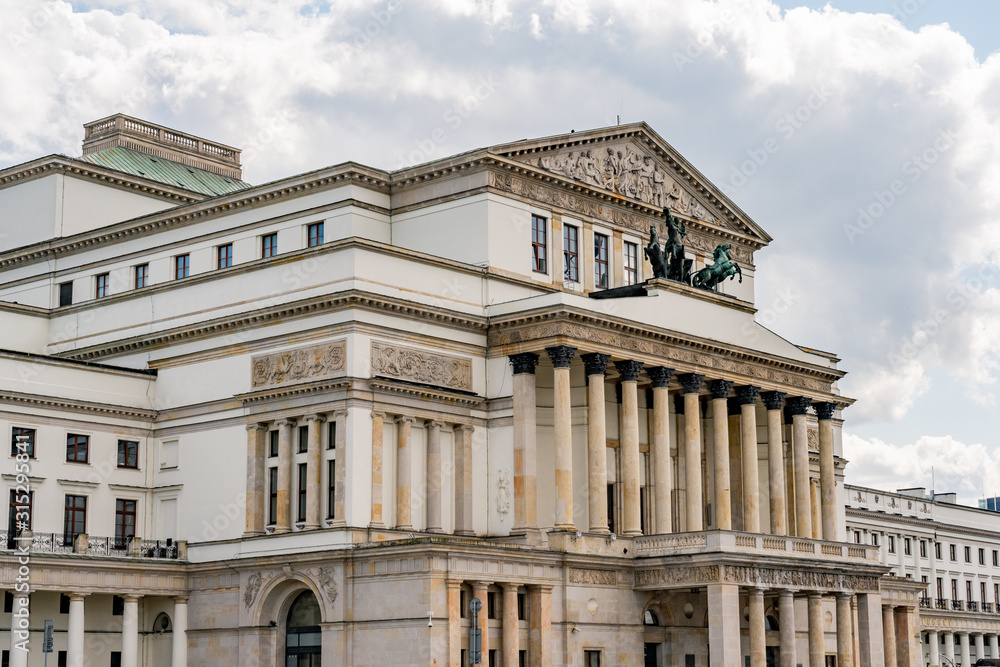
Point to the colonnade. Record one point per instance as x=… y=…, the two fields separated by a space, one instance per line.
x=792 y=506
x=76 y=649
x=967 y=655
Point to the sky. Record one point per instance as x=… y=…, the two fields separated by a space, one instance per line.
x=864 y=136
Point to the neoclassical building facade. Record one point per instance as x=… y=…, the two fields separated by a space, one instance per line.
x=307 y=422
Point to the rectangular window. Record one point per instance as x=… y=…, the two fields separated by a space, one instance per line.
x=643 y=527
x=571 y=253
x=101 y=286
x=269 y=245
x=631 y=263
x=65 y=294
x=331 y=436
x=463 y=607
x=522 y=604
x=26 y=436
x=923 y=549
x=906 y=546
x=182 y=266
x=937 y=550
x=968 y=554
x=124 y=522
x=611 y=507
x=982 y=556
x=303 y=482
x=224 y=256
x=272 y=496
x=116 y=659
x=19 y=515
x=954 y=589
x=968 y=591
x=539 y=249
x=63 y=603
x=857 y=537
x=892 y=544
x=601 y=262
x=117 y=605
x=952 y=552
x=331 y=488
x=8 y=602
x=996 y=558
x=493 y=657
x=77 y=447
x=74 y=517
x=996 y=594
x=940 y=588
x=315 y=233
x=128 y=454
x=982 y=591
x=522 y=658
x=875 y=539
x=303 y=439
x=61 y=658
x=491 y=605
x=272 y=443
x=141 y=276
x=591 y=659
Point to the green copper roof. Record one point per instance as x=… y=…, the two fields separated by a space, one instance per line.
x=169 y=172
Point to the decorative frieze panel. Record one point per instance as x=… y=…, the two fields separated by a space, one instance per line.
x=593 y=577
x=304 y=363
x=794 y=578
x=416 y=365
x=671 y=576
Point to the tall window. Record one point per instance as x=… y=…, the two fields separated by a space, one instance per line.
x=940 y=588
x=571 y=253
x=951 y=552
x=303 y=482
x=124 y=522
x=996 y=595
x=65 y=294
x=26 y=436
x=968 y=554
x=315 y=234
x=937 y=550
x=996 y=558
x=631 y=263
x=331 y=434
x=272 y=496
x=601 y=261
x=141 y=276
x=128 y=454
x=269 y=245
x=591 y=659
x=611 y=507
x=923 y=549
x=272 y=444
x=968 y=591
x=102 y=285
x=954 y=589
x=906 y=546
x=539 y=249
x=182 y=266
x=77 y=448
x=303 y=439
x=982 y=556
x=331 y=488
x=892 y=544
x=982 y=592
x=224 y=256
x=19 y=514
x=74 y=517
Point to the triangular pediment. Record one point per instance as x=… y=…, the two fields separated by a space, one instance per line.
x=633 y=161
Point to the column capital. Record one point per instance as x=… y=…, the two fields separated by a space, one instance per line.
x=131 y=598
x=595 y=363
x=690 y=382
x=628 y=370
x=524 y=362
x=509 y=585
x=434 y=423
x=180 y=599
x=481 y=585
x=285 y=421
x=824 y=410
x=798 y=405
x=315 y=418
x=256 y=426
x=814 y=595
x=660 y=376
x=463 y=428
x=773 y=400
x=405 y=419
x=747 y=394
x=341 y=412
x=561 y=355
x=378 y=414
x=454 y=583
x=719 y=388
x=78 y=597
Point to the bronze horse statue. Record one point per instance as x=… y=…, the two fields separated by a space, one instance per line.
x=723 y=267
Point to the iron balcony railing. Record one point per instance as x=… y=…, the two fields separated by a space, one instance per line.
x=90 y=545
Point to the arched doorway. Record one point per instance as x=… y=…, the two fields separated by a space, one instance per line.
x=303 y=639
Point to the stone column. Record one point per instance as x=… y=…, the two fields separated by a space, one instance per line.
x=798 y=405
x=963 y=644
x=314 y=454
x=889 y=635
x=454 y=622
x=934 y=645
x=949 y=646
x=256 y=513
x=434 y=477
x=817 y=643
x=596 y=365
x=179 y=655
x=690 y=386
x=479 y=589
x=814 y=508
x=283 y=522
x=404 y=477
x=724 y=624
x=908 y=652
x=510 y=626
x=75 y=644
x=773 y=401
x=786 y=627
x=540 y=623
x=130 y=632
x=562 y=435
x=746 y=396
x=994 y=646
x=980 y=646
x=720 y=438
x=681 y=481
x=20 y=639
x=870 y=637
x=660 y=446
x=463 y=480
x=525 y=459
x=827 y=480
x=339 y=513
x=845 y=636
x=758 y=645
x=629 y=438
x=378 y=423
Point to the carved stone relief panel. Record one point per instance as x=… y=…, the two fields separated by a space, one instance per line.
x=416 y=365
x=593 y=577
x=684 y=575
x=304 y=363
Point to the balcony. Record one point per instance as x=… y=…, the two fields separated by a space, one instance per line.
x=971 y=605
x=941 y=603
x=925 y=603
x=958 y=605
x=987 y=607
x=88 y=545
